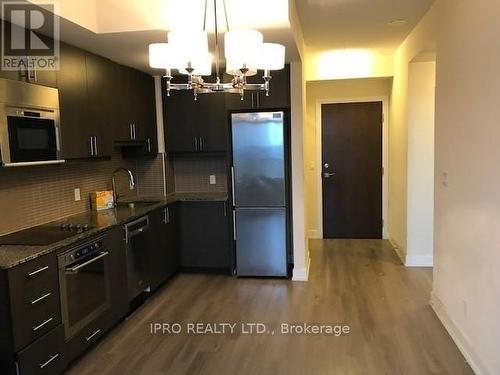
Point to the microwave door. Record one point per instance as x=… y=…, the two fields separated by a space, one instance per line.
x=31 y=139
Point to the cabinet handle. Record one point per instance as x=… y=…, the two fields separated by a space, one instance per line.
x=148 y=143
x=131 y=131
x=91 y=146
x=40 y=299
x=95 y=146
x=51 y=359
x=201 y=144
x=257 y=95
x=225 y=209
x=45 y=322
x=92 y=335
x=195 y=143
x=38 y=271
x=135 y=135
x=168 y=216
x=252 y=100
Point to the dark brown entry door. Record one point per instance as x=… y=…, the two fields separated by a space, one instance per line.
x=352 y=170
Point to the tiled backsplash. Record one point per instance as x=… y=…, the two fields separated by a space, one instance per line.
x=192 y=174
x=36 y=195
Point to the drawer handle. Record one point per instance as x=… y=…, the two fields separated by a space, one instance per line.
x=34 y=302
x=38 y=271
x=42 y=324
x=51 y=359
x=92 y=335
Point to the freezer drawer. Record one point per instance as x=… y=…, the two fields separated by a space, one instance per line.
x=261 y=242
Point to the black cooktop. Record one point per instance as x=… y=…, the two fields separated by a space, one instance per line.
x=43 y=235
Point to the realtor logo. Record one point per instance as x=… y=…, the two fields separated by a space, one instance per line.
x=30 y=36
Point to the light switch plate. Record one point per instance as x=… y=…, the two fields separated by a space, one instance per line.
x=213 y=181
x=78 y=196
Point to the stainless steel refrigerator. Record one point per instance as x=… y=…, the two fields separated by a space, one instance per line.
x=259 y=193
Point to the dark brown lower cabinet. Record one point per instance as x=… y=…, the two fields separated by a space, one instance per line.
x=164 y=252
x=45 y=356
x=204 y=236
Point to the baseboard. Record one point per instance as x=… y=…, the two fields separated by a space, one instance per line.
x=463 y=345
x=302 y=274
x=419 y=261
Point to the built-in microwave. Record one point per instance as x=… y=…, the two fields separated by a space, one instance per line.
x=29 y=124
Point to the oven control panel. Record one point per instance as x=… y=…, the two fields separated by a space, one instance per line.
x=81 y=252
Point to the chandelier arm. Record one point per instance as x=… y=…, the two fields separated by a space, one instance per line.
x=225 y=14
x=217 y=73
x=205 y=16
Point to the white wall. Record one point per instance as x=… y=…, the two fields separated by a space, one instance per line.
x=420 y=209
x=467 y=210
x=300 y=248
x=320 y=91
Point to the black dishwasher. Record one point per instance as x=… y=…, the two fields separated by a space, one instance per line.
x=138 y=239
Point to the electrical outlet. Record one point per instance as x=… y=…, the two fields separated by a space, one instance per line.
x=78 y=196
x=213 y=181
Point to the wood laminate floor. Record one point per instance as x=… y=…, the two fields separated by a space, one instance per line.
x=361 y=283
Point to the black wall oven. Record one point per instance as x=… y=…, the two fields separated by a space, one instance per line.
x=85 y=283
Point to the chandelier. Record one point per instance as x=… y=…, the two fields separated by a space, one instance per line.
x=245 y=53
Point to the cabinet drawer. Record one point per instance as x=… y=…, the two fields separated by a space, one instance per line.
x=45 y=356
x=34 y=300
x=89 y=335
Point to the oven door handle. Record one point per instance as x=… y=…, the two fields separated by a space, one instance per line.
x=85 y=264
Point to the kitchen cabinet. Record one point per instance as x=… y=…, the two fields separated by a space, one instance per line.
x=29 y=315
x=279 y=93
x=77 y=141
x=195 y=126
x=164 y=252
x=101 y=106
x=204 y=235
x=136 y=113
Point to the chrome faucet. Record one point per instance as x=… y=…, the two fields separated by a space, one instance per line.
x=131 y=182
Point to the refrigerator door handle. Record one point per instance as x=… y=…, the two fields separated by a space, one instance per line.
x=234 y=224
x=232 y=186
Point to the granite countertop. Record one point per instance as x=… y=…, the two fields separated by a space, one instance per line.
x=99 y=221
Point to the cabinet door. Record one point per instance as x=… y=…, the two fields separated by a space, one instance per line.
x=212 y=123
x=165 y=262
x=179 y=116
x=101 y=102
x=124 y=113
x=72 y=84
x=204 y=236
x=146 y=112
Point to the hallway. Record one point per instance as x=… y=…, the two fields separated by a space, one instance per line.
x=360 y=283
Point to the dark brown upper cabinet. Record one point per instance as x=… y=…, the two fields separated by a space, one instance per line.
x=102 y=102
x=198 y=126
x=279 y=93
x=136 y=113
x=77 y=141
x=101 y=77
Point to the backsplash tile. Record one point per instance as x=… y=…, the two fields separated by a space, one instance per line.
x=36 y=195
x=192 y=173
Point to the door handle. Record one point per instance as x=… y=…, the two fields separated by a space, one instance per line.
x=328 y=174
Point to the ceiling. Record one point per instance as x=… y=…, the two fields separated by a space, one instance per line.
x=358 y=24
x=123 y=29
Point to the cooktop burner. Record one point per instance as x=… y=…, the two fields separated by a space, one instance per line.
x=44 y=234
